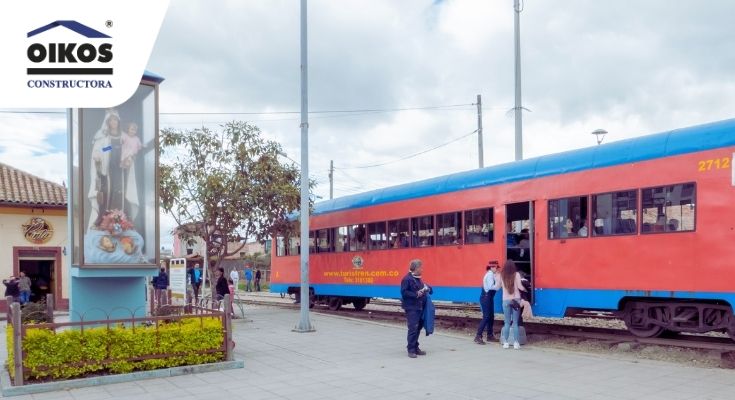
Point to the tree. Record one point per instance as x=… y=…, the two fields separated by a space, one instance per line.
x=226 y=186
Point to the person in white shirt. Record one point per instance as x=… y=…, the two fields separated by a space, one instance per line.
x=490 y=284
x=235 y=276
x=582 y=232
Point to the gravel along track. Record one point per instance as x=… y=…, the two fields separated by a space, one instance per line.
x=599 y=335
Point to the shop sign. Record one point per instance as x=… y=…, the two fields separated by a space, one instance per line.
x=37 y=230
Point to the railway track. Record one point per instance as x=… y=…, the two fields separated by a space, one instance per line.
x=535 y=330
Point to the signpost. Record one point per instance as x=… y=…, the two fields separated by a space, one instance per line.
x=177 y=281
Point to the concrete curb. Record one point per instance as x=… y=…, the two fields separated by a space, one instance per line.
x=9 y=390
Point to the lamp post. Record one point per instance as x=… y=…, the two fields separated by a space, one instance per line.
x=599 y=135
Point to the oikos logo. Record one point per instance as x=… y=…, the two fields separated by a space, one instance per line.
x=88 y=57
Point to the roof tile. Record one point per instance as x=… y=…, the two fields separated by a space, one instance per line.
x=21 y=188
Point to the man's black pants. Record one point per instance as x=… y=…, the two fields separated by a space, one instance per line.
x=487 y=304
x=415 y=321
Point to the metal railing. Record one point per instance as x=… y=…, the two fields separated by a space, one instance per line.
x=175 y=314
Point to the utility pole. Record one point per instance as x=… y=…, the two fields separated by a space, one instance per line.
x=304 y=324
x=518 y=106
x=480 y=150
x=331 y=179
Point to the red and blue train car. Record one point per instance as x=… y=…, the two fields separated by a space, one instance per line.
x=643 y=227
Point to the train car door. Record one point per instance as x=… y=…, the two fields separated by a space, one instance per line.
x=519 y=243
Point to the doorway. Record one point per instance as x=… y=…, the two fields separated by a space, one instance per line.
x=42 y=274
x=519 y=243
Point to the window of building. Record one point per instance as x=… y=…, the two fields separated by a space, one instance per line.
x=668 y=208
x=422 y=231
x=568 y=218
x=449 y=229
x=357 y=237
x=615 y=213
x=398 y=233
x=189 y=251
x=341 y=239
x=479 y=226
x=378 y=236
x=324 y=241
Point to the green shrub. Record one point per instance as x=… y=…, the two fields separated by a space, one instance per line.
x=73 y=353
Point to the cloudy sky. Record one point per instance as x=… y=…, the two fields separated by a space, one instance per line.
x=630 y=67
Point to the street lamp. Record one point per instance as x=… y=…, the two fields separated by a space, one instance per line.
x=599 y=135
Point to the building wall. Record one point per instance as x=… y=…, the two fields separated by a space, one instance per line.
x=11 y=234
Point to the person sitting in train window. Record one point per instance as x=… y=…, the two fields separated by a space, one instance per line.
x=404 y=240
x=660 y=225
x=568 y=228
x=673 y=225
x=524 y=243
x=582 y=229
x=599 y=226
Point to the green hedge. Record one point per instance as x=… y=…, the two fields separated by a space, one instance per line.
x=62 y=355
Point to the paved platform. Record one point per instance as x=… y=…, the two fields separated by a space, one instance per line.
x=351 y=359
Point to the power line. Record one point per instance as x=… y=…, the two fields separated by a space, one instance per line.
x=411 y=155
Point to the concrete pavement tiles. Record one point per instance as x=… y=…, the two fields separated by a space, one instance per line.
x=349 y=359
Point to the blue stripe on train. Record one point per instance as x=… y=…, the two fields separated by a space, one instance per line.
x=548 y=302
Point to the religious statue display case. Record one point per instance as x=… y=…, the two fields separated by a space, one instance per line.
x=114 y=183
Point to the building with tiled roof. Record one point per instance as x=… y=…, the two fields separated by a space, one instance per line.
x=33 y=226
x=19 y=188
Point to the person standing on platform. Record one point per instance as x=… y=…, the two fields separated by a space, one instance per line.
x=235 y=277
x=248 y=278
x=24 y=285
x=512 y=286
x=160 y=286
x=221 y=287
x=413 y=300
x=257 y=280
x=490 y=285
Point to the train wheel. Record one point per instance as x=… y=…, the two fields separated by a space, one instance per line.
x=335 y=303
x=640 y=319
x=359 y=304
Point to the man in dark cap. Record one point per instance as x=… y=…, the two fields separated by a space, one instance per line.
x=413 y=300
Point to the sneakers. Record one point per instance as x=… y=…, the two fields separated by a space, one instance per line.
x=420 y=352
x=506 y=345
x=516 y=346
x=411 y=355
x=479 y=340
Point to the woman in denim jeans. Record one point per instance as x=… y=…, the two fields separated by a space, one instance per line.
x=511 y=283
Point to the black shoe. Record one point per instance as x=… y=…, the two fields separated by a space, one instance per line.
x=491 y=338
x=420 y=352
x=478 y=340
x=411 y=355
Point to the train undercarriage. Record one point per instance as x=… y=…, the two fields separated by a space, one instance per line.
x=651 y=318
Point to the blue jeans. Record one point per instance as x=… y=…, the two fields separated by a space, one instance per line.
x=25 y=296
x=510 y=322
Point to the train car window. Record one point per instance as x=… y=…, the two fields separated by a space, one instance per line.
x=422 y=231
x=341 y=242
x=398 y=233
x=280 y=246
x=479 y=226
x=449 y=229
x=378 y=236
x=312 y=242
x=294 y=246
x=668 y=208
x=568 y=218
x=357 y=237
x=615 y=213
x=324 y=241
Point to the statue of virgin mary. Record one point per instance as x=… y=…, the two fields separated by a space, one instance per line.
x=111 y=187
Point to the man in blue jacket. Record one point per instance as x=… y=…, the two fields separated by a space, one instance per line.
x=413 y=300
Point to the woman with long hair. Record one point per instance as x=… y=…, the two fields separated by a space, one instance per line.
x=510 y=281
